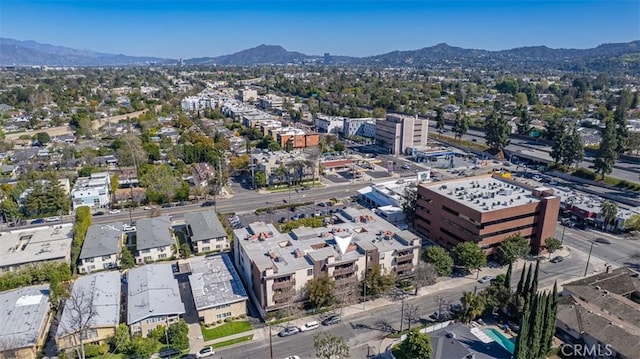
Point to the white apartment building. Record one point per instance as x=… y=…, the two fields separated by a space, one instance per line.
x=93 y=191
x=276 y=266
x=329 y=124
x=271 y=102
x=154 y=239
x=363 y=127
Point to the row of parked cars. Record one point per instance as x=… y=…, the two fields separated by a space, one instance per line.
x=291 y=330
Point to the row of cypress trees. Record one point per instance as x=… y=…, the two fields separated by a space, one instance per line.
x=538 y=322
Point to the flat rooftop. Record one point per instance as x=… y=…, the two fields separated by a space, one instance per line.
x=483 y=194
x=214 y=281
x=152 y=291
x=25 y=309
x=350 y=233
x=38 y=244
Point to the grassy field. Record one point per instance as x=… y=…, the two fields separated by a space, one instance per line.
x=233 y=341
x=224 y=330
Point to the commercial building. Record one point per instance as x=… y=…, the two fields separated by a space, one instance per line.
x=363 y=127
x=602 y=312
x=28 y=247
x=25 y=315
x=153 y=298
x=280 y=167
x=298 y=138
x=275 y=267
x=247 y=95
x=101 y=247
x=205 y=232
x=154 y=239
x=271 y=102
x=485 y=210
x=217 y=290
x=93 y=191
x=329 y=124
x=98 y=293
x=400 y=133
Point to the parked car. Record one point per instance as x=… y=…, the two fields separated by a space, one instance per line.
x=114 y=211
x=292 y=357
x=602 y=240
x=310 y=326
x=208 y=204
x=282 y=219
x=37 y=221
x=334 y=319
x=205 y=352
x=288 y=331
x=100 y=213
x=557 y=259
x=146 y=208
x=168 y=353
x=52 y=219
x=485 y=279
x=188 y=356
x=128 y=228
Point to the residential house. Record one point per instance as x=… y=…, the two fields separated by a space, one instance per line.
x=217 y=290
x=99 y=293
x=205 y=232
x=153 y=298
x=93 y=191
x=202 y=173
x=26 y=315
x=101 y=247
x=154 y=239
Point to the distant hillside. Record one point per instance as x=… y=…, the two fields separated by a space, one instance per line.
x=29 y=53
x=263 y=54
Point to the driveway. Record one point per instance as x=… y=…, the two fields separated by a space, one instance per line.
x=196 y=341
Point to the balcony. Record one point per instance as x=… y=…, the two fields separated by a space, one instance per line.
x=284 y=284
x=282 y=296
x=346 y=281
x=403 y=267
x=405 y=257
x=345 y=270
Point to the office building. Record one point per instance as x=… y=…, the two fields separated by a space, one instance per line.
x=485 y=210
x=399 y=133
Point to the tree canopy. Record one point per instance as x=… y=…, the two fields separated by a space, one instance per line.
x=440 y=259
x=469 y=256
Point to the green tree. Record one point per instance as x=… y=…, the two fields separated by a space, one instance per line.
x=524 y=125
x=329 y=346
x=440 y=124
x=609 y=213
x=185 y=250
x=469 y=256
x=552 y=244
x=379 y=112
x=126 y=260
x=129 y=150
x=471 y=306
x=440 y=259
x=178 y=335
x=606 y=155
x=572 y=151
x=321 y=291
x=507 y=277
x=408 y=201
x=416 y=345
x=632 y=223
x=42 y=138
x=512 y=248
x=140 y=347
x=260 y=179
x=10 y=210
x=460 y=127
x=378 y=282
x=160 y=182
x=114 y=184
x=497 y=132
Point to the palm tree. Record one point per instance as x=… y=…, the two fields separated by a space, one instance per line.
x=472 y=306
x=609 y=213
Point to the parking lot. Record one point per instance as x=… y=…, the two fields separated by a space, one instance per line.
x=318 y=209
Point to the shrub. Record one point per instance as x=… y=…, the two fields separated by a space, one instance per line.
x=586 y=174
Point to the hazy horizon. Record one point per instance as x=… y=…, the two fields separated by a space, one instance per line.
x=199 y=28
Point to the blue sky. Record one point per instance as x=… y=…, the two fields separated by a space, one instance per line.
x=196 y=28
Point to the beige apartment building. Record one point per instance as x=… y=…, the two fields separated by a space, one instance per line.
x=276 y=266
x=399 y=133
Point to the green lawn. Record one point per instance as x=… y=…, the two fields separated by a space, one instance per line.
x=233 y=341
x=224 y=330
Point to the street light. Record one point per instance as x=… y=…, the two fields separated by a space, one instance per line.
x=588 y=258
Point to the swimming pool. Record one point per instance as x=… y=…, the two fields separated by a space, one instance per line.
x=501 y=339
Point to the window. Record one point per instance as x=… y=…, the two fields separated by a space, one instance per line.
x=162 y=255
x=310 y=272
x=223 y=315
x=162 y=249
x=148 y=258
x=217 y=246
x=381 y=255
x=88 y=260
x=206 y=249
x=222 y=306
x=205 y=241
x=106 y=258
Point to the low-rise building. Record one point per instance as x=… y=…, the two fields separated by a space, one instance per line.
x=202 y=173
x=329 y=124
x=602 y=312
x=295 y=138
x=93 y=191
x=271 y=102
x=205 y=232
x=485 y=210
x=281 y=167
x=217 y=290
x=362 y=127
x=31 y=246
x=94 y=300
x=154 y=239
x=276 y=266
x=25 y=315
x=101 y=247
x=153 y=298
x=247 y=95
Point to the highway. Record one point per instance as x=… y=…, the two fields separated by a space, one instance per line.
x=532 y=149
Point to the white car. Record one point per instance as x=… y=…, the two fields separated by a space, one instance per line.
x=52 y=219
x=126 y=227
x=485 y=279
x=146 y=208
x=292 y=357
x=309 y=326
x=114 y=211
x=205 y=352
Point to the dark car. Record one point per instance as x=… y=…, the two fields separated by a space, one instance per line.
x=282 y=220
x=168 y=353
x=208 y=204
x=101 y=213
x=38 y=221
x=288 y=331
x=602 y=240
x=557 y=259
x=188 y=356
x=334 y=319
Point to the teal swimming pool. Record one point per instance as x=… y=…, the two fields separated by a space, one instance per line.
x=501 y=339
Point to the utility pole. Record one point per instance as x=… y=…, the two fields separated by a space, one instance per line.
x=270 y=343
x=366 y=263
x=564 y=228
x=588 y=259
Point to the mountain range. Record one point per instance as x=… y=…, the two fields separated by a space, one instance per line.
x=609 y=57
